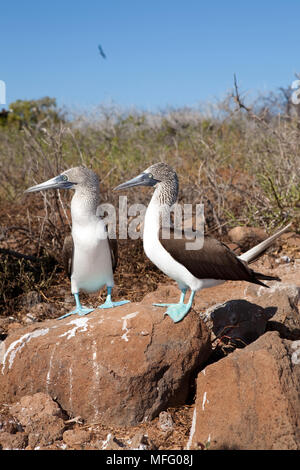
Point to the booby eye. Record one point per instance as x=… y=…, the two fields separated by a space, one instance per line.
x=150 y=175
x=64 y=177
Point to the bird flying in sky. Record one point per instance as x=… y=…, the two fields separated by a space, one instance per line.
x=101 y=52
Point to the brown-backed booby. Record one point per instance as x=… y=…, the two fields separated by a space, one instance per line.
x=94 y=256
x=209 y=266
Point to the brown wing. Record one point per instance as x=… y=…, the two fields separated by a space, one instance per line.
x=67 y=254
x=213 y=261
x=113 y=245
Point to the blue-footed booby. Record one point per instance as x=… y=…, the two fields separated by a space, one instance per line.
x=209 y=266
x=93 y=255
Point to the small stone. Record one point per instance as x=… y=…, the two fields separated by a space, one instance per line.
x=112 y=443
x=141 y=442
x=76 y=437
x=41 y=418
x=283 y=259
x=31 y=408
x=165 y=421
x=30 y=318
x=247 y=237
x=9 y=424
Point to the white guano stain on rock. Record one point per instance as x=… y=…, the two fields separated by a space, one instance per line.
x=124 y=326
x=2 y=351
x=106 y=441
x=71 y=387
x=192 y=431
x=205 y=400
x=48 y=381
x=79 y=323
x=19 y=344
x=95 y=361
x=96 y=372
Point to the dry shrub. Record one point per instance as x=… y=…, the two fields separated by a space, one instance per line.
x=242 y=166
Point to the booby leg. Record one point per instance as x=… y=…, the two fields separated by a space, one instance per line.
x=79 y=310
x=178 y=311
x=183 y=292
x=109 y=303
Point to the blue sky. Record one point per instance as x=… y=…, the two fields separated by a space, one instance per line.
x=159 y=52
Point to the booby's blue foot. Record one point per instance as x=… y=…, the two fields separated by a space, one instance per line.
x=178 y=311
x=79 y=310
x=109 y=303
x=183 y=292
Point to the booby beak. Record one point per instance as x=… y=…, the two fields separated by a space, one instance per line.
x=144 y=179
x=59 y=182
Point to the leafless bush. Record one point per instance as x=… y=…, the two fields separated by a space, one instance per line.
x=241 y=165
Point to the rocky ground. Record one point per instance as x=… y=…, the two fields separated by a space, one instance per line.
x=227 y=377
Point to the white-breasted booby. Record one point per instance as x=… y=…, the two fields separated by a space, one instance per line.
x=209 y=266
x=94 y=256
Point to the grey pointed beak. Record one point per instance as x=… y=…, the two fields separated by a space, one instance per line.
x=144 y=179
x=59 y=182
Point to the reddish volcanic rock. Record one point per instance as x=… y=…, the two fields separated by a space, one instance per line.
x=247 y=237
x=76 y=438
x=119 y=366
x=41 y=418
x=250 y=399
x=284 y=299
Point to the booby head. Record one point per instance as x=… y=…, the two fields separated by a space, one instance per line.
x=75 y=178
x=165 y=180
x=157 y=174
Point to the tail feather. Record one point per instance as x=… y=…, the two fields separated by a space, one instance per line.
x=266 y=277
x=257 y=277
x=257 y=281
x=258 y=250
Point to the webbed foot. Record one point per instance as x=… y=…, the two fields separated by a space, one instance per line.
x=178 y=311
x=79 y=310
x=110 y=304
